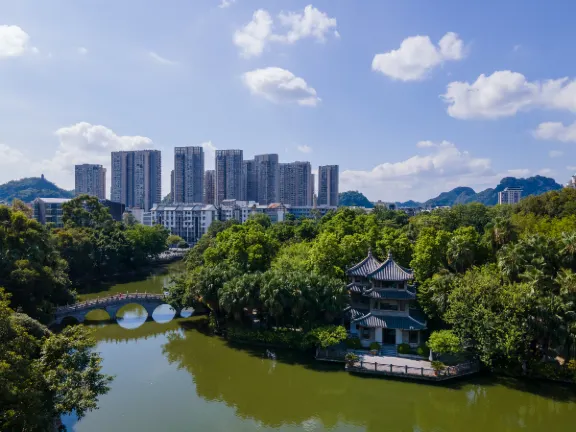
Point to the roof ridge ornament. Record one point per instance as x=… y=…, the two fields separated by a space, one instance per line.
x=389 y=254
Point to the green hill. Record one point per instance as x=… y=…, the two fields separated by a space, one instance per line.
x=353 y=199
x=462 y=195
x=28 y=189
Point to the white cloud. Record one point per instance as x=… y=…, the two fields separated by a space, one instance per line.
x=280 y=85
x=13 y=41
x=252 y=38
x=518 y=172
x=422 y=176
x=504 y=93
x=82 y=51
x=311 y=23
x=417 y=56
x=209 y=154
x=86 y=143
x=226 y=3
x=304 y=148
x=159 y=59
x=556 y=131
x=9 y=156
x=555 y=153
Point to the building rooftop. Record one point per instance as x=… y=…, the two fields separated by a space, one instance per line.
x=54 y=200
x=365 y=267
x=390 y=271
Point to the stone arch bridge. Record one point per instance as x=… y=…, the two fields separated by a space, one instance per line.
x=111 y=304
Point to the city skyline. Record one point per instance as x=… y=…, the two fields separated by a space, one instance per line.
x=336 y=83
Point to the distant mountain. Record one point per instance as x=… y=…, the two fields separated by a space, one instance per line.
x=353 y=199
x=462 y=195
x=28 y=189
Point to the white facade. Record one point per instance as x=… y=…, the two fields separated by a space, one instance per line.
x=189 y=221
x=510 y=196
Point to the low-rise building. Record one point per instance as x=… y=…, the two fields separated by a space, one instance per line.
x=49 y=211
x=189 y=221
x=383 y=305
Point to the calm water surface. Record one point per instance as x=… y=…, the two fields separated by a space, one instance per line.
x=174 y=377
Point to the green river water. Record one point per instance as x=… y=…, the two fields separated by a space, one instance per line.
x=172 y=376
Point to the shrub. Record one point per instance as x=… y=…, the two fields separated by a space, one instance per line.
x=444 y=342
x=423 y=351
x=351 y=358
x=374 y=346
x=404 y=349
x=325 y=336
x=353 y=343
x=438 y=365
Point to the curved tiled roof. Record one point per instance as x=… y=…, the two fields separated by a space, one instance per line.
x=355 y=288
x=390 y=322
x=391 y=272
x=355 y=313
x=364 y=267
x=390 y=294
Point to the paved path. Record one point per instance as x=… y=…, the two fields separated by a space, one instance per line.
x=396 y=361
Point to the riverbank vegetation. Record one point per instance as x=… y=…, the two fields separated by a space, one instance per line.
x=501 y=278
x=44 y=375
x=39 y=266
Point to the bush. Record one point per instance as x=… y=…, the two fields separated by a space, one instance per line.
x=353 y=343
x=404 y=349
x=375 y=346
x=351 y=358
x=438 y=365
x=423 y=351
x=325 y=336
x=444 y=342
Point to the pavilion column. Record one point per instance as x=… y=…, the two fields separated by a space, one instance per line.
x=398 y=336
x=378 y=335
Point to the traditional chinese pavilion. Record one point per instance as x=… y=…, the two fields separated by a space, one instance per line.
x=383 y=304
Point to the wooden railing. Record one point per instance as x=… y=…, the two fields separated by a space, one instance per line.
x=104 y=301
x=448 y=372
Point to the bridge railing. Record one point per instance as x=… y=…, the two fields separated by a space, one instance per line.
x=109 y=300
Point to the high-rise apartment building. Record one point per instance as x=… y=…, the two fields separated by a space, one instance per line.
x=188 y=175
x=328 y=185
x=229 y=178
x=90 y=179
x=296 y=184
x=510 y=195
x=250 y=180
x=209 y=186
x=137 y=178
x=267 y=174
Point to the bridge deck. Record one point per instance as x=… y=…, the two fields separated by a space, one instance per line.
x=106 y=301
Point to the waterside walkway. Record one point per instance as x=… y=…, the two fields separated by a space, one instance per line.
x=410 y=368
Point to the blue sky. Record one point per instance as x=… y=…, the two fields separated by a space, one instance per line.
x=410 y=98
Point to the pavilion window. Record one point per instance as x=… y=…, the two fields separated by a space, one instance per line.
x=413 y=337
x=388 y=306
x=365 y=332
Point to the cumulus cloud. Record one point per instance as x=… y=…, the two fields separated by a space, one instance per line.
x=280 y=86
x=304 y=148
x=417 y=56
x=9 y=155
x=14 y=41
x=505 y=93
x=157 y=58
x=441 y=167
x=259 y=32
x=86 y=143
x=556 y=131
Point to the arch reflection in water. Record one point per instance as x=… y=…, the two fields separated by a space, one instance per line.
x=131 y=316
x=187 y=312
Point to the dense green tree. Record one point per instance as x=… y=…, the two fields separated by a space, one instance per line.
x=31 y=268
x=45 y=375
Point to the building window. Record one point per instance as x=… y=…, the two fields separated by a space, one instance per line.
x=365 y=333
x=413 y=337
x=388 y=306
